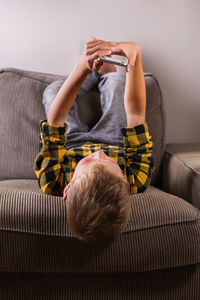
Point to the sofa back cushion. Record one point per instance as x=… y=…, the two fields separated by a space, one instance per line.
x=21 y=109
x=20 y=112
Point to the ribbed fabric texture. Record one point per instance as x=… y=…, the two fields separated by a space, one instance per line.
x=181 y=283
x=192 y=160
x=21 y=109
x=163 y=232
x=181 y=173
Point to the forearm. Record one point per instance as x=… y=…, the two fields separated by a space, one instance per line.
x=67 y=94
x=135 y=94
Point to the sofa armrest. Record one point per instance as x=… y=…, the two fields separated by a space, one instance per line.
x=181 y=172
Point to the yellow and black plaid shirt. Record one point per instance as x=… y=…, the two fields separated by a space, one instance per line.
x=55 y=165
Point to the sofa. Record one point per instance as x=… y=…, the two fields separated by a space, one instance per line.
x=158 y=254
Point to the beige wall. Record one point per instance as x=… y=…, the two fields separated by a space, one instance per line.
x=47 y=36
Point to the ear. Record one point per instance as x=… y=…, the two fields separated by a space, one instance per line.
x=65 y=191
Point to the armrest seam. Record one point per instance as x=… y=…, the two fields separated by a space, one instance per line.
x=194 y=171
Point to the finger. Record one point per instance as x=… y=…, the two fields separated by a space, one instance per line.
x=98 y=42
x=98 y=63
x=92 y=42
x=118 y=51
x=92 y=38
x=104 y=53
x=99 y=54
x=90 y=59
x=129 y=68
x=98 y=48
x=95 y=65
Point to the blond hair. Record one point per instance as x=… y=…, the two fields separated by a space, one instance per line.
x=98 y=205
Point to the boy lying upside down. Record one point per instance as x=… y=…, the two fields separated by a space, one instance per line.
x=97 y=170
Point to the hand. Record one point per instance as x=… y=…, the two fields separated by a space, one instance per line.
x=96 y=48
x=128 y=49
x=65 y=191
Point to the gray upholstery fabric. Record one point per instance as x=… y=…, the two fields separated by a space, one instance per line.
x=181 y=172
x=162 y=232
x=21 y=110
x=156 y=119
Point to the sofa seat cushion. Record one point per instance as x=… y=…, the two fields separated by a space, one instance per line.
x=161 y=233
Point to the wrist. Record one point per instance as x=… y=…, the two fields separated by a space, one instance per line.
x=82 y=66
x=134 y=120
x=135 y=55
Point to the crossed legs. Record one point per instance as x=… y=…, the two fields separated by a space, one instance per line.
x=108 y=129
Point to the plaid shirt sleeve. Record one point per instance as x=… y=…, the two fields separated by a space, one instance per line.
x=138 y=155
x=50 y=163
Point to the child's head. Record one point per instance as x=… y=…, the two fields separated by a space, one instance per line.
x=98 y=200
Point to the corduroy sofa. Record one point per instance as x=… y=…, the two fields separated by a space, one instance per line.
x=158 y=254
